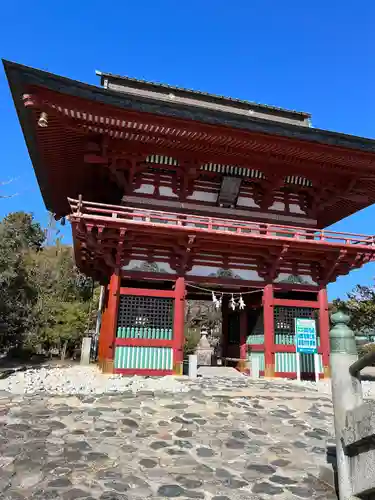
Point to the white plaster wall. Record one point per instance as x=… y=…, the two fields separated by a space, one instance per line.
x=277 y=205
x=295 y=209
x=306 y=278
x=170 y=205
x=145 y=189
x=207 y=271
x=202 y=196
x=243 y=201
x=167 y=191
x=164 y=267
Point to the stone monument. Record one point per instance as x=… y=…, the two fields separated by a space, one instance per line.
x=204 y=350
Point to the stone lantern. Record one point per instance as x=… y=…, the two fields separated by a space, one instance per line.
x=204 y=350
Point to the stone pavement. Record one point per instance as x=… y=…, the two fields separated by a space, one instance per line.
x=224 y=439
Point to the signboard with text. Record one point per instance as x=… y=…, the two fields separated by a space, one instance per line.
x=305 y=336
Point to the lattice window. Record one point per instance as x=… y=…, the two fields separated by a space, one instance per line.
x=234 y=329
x=145 y=317
x=284 y=322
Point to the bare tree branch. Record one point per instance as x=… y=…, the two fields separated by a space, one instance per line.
x=5 y=183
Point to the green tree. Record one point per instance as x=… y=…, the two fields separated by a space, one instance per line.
x=45 y=302
x=61 y=312
x=360 y=305
x=19 y=236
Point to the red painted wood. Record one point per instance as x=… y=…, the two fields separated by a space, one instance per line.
x=276 y=348
x=289 y=348
x=289 y=375
x=314 y=304
x=224 y=327
x=179 y=320
x=40 y=94
x=223 y=282
x=217 y=144
x=269 y=329
x=144 y=373
x=113 y=303
x=293 y=375
x=255 y=347
x=324 y=326
x=144 y=342
x=243 y=334
x=146 y=292
x=126 y=214
x=103 y=328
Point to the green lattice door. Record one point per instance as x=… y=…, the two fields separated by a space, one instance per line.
x=144 y=339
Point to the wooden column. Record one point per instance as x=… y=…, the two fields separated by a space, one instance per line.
x=269 y=331
x=111 y=323
x=179 y=325
x=243 y=337
x=224 y=326
x=324 y=330
x=103 y=326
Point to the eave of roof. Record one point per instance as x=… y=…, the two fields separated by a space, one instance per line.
x=19 y=76
x=194 y=93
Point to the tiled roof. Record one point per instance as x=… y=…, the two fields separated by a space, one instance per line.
x=196 y=93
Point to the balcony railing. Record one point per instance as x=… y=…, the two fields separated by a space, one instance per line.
x=140 y=216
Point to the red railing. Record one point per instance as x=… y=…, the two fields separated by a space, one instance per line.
x=100 y=211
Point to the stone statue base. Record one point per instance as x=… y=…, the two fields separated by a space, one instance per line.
x=204 y=351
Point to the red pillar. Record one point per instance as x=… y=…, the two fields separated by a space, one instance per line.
x=108 y=332
x=179 y=325
x=224 y=326
x=243 y=337
x=324 y=330
x=103 y=327
x=269 y=331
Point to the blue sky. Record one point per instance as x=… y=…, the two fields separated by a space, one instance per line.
x=310 y=56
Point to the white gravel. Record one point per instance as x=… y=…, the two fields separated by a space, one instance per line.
x=89 y=380
x=84 y=380
x=324 y=386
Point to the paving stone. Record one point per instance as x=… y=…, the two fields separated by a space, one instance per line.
x=258 y=432
x=234 y=444
x=80 y=446
x=74 y=493
x=179 y=420
x=268 y=488
x=193 y=494
x=205 y=452
x=148 y=463
x=175 y=452
x=130 y=423
x=184 y=433
x=42 y=494
x=262 y=469
x=95 y=456
x=60 y=483
x=189 y=482
x=158 y=445
x=240 y=435
x=110 y=495
x=183 y=444
x=171 y=491
x=282 y=480
x=118 y=486
x=280 y=462
x=301 y=492
x=133 y=447
x=299 y=444
x=13 y=495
